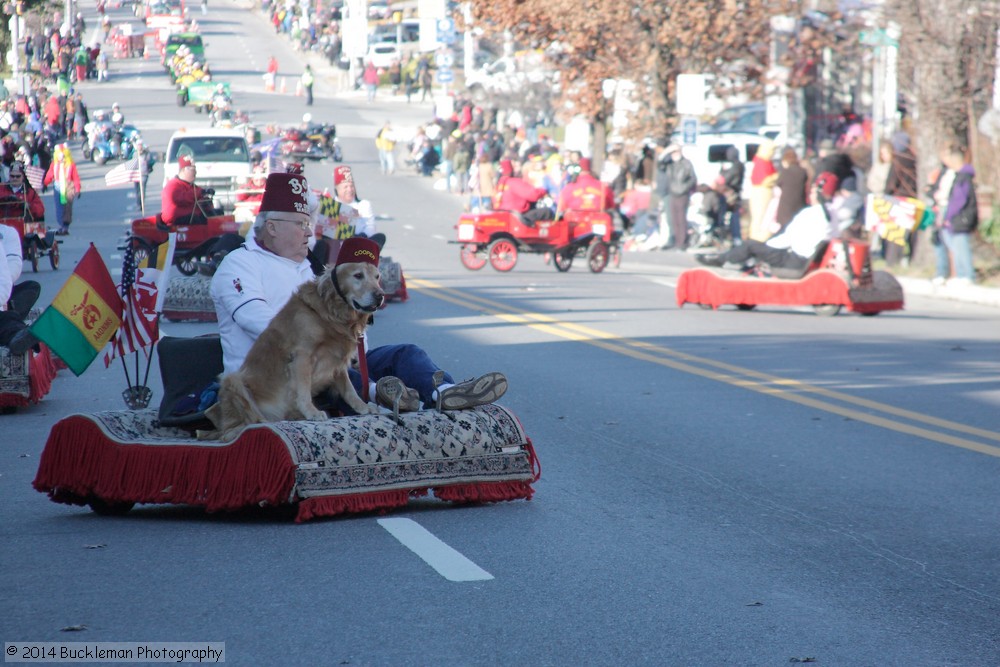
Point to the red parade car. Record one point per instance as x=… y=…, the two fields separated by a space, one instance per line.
x=193 y=241
x=498 y=237
x=839 y=276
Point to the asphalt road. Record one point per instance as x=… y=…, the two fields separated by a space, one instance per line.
x=718 y=488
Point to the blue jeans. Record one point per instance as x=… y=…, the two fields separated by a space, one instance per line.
x=59 y=207
x=407 y=362
x=960 y=246
x=387 y=160
x=482 y=203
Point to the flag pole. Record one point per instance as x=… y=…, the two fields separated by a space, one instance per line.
x=149 y=357
x=142 y=193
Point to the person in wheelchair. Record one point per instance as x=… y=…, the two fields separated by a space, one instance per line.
x=518 y=196
x=18 y=199
x=793 y=248
x=183 y=202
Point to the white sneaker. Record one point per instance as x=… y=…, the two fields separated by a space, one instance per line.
x=959 y=282
x=938 y=281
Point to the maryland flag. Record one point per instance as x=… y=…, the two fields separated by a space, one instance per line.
x=84 y=315
x=893 y=217
x=330 y=209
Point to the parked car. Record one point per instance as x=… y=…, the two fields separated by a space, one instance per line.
x=709 y=152
x=746 y=118
x=384 y=54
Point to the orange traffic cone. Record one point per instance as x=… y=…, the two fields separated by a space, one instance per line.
x=298 y=89
x=284 y=86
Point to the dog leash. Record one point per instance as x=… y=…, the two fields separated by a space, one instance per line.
x=363 y=367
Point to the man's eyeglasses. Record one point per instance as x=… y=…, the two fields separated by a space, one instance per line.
x=305 y=225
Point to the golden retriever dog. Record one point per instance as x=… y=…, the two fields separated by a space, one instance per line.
x=306 y=348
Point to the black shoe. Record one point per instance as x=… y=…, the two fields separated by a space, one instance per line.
x=710 y=260
x=22 y=341
x=669 y=246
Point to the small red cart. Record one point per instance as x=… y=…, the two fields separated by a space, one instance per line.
x=498 y=236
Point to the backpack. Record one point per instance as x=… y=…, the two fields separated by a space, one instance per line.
x=967 y=219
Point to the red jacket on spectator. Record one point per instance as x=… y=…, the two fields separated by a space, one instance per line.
x=516 y=194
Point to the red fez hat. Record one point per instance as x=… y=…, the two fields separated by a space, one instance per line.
x=585 y=164
x=827 y=184
x=506 y=168
x=293 y=168
x=285 y=193
x=358 y=249
x=185 y=161
x=341 y=174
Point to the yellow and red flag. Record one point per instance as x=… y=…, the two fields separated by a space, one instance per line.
x=84 y=314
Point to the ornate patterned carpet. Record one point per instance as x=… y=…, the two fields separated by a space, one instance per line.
x=349 y=464
x=25 y=378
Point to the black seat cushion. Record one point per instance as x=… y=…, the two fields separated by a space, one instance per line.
x=187 y=367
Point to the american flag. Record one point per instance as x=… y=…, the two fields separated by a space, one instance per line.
x=35 y=175
x=126 y=172
x=140 y=326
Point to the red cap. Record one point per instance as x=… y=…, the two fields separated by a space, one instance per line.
x=358 y=249
x=185 y=161
x=585 y=164
x=285 y=193
x=341 y=174
x=506 y=168
x=827 y=184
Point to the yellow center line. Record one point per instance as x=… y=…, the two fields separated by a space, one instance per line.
x=745 y=378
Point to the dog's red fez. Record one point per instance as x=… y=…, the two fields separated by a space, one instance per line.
x=358 y=249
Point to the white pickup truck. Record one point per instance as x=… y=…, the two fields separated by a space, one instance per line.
x=221 y=156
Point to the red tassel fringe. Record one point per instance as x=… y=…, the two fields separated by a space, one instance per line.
x=376 y=501
x=42 y=370
x=485 y=492
x=80 y=462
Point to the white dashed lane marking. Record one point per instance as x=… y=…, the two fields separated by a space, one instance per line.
x=449 y=563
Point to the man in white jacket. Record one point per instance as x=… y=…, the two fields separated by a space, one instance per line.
x=255 y=281
x=15 y=300
x=794 y=247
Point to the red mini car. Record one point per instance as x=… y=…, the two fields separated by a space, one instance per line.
x=839 y=276
x=498 y=237
x=36 y=240
x=193 y=241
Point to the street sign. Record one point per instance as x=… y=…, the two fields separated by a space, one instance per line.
x=877 y=37
x=445 y=75
x=446 y=31
x=689 y=130
x=444 y=59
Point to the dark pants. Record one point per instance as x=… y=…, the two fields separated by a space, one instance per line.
x=677 y=206
x=734 y=219
x=534 y=215
x=309 y=96
x=22 y=299
x=761 y=252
